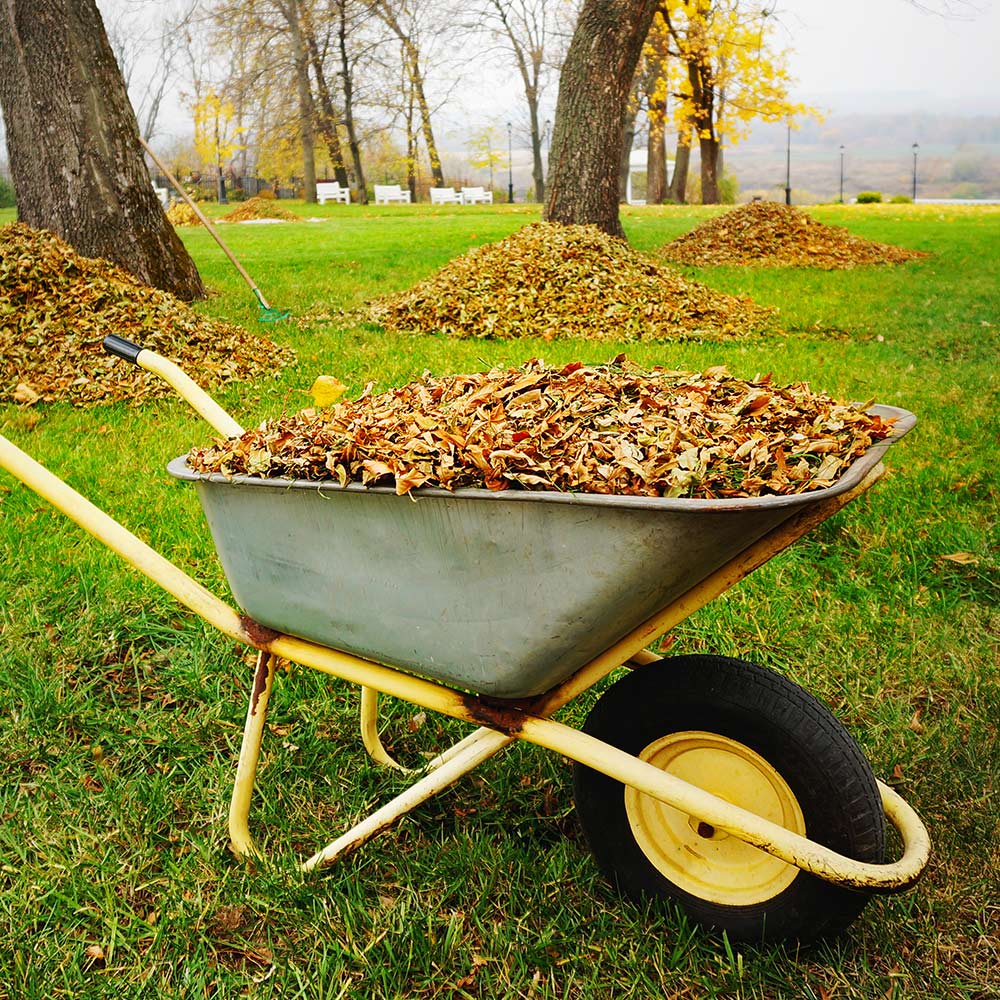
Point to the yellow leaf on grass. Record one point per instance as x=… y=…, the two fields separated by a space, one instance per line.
x=326 y=390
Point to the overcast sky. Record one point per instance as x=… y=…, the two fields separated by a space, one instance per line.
x=847 y=56
x=898 y=53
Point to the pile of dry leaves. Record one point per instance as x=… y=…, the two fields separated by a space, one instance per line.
x=770 y=234
x=260 y=208
x=181 y=213
x=56 y=307
x=554 y=281
x=613 y=429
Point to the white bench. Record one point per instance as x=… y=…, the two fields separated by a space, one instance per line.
x=386 y=193
x=445 y=196
x=331 y=191
x=164 y=195
x=476 y=196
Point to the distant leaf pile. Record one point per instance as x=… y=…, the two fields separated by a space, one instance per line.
x=56 y=307
x=260 y=208
x=612 y=429
x=552 y=281
x=768 y=234
x=181 y=213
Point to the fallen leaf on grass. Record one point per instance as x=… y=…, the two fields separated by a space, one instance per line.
x=24 y=394
x=326 y=390
x=962 y=558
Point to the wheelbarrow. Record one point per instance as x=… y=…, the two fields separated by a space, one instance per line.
x=710 y=781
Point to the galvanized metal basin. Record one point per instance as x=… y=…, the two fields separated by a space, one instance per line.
x=504 y=594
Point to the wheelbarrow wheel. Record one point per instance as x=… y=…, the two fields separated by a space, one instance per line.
x=752 y=737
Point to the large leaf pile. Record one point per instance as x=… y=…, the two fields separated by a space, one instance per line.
x=553 y=281
x=181 y=213
x=613 y=429
x=56 y=307
x=260 y=208
x=769 y=234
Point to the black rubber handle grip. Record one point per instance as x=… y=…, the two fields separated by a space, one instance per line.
x=122 y=348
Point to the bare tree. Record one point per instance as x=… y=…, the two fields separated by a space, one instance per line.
x=73 y=143
x=406 y=32
x=155 y=43
x=526 y=30
x=593 y=91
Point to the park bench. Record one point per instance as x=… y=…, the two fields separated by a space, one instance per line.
x=386 y=193
x=445 y=196
x=164 y=195
x=331 y=191
x=476 y=196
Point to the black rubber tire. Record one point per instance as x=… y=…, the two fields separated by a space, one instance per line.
x=800 y=739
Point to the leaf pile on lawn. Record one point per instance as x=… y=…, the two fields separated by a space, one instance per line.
x=181 y=213
x=773 y=235
x=553 y=281
x=56 y=307
x=613 y=428
x=260 y=208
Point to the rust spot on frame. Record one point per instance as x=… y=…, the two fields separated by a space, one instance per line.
x=260 y=677
x=259 y=635
x=508 y=716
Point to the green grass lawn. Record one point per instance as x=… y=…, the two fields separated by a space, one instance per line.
x=121 y=713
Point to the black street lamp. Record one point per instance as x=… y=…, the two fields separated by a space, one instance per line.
x=915 y=148
x=510 y=167
x=788 y=167
x=841 y=173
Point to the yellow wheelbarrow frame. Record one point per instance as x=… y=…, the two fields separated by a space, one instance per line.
x=498 y=722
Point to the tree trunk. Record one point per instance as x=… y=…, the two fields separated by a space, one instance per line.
x=708 y=147
x=656 y=157
x=411 y=61
x=326 y=119
x=417 y=80
x=73 y=144
x=307 y=110
x=593 y=89
x=625 y=163
x=682 y=161
x=347 y=80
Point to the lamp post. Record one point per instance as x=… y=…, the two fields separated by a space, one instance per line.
x=915 y=148
x=510 y=166
x=841 y=173
x=788 y=166
x=548 y=143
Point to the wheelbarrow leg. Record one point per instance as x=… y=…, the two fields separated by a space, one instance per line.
x=459 y=760
x=369 y=733
x=246 y=769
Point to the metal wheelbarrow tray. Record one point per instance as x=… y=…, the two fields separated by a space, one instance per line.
x=707 y=780
x=502 y=593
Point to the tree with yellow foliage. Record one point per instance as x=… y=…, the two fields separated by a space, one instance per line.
x=215 y=137
x=722 y=72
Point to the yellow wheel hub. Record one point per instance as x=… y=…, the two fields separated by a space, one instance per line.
x=693 y=855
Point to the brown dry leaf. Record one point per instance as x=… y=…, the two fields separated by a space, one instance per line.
x=613 y=429
x=56 y=308
x=94 y=952
x=767 y=233
x=553 y=281
x=962 y=558
x=24 y=394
